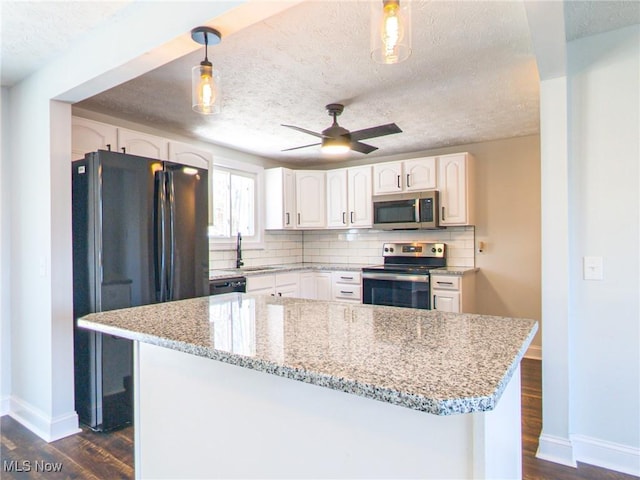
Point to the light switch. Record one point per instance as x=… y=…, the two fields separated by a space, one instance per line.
x=592 y=268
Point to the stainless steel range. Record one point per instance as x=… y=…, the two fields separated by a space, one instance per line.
x=403 y=280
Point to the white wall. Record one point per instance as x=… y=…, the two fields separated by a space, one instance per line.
x=590 y=125
x=5 y=285
x=604 y=205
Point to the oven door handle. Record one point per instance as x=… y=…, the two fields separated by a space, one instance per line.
x=395 y=277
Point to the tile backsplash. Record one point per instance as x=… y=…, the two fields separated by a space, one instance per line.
x=345 y=246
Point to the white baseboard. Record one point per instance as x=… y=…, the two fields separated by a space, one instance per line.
x=556 y=449
x=4 y=405
x=46 y=427
x=534 y=352
x=609 y=455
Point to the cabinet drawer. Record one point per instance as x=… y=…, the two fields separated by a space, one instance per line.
x=259 y=282
x=445 y=282
x=344 y=292
x=353 y=278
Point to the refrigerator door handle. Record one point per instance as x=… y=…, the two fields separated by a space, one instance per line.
x=160 y=238
x=171 y=204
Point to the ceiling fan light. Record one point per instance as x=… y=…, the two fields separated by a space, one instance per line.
x=391 y=31
x=335 y=146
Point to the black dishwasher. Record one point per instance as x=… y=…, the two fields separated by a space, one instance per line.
x=227 y=285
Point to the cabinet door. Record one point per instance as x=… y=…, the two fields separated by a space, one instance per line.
x=89 y=136
x=186 y=154
x=387 y=178
x=445 y=301
x=337 y=198
x=307 y=286
x=310 y=199
x=420 y=174
x=359 y=197
x=142 y=144
x=323 y=285
x=452 y=183
x=289 y=198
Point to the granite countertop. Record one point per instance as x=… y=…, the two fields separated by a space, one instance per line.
x=292 y=267
x=436 y=362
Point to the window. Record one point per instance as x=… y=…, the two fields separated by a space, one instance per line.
x=234 y=204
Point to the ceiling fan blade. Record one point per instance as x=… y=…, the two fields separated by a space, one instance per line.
x=362 y=147
x=304 y=130
x=303 y=146
x=379 y=131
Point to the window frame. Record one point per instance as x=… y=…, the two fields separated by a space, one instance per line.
x=247 y=169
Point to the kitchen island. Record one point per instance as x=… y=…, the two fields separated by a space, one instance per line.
x=244 y=386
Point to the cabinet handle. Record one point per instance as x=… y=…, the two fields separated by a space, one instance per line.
x=408 y=180
x=399 y=182
x=351 y=216
x=109 y=146
x=344 y=217
x=350 y=292
x=288 y=218
x=273 y=294
x=444 y=283
x=346 y=278
x=279 y=294
x=124 y=150
x=299 y=218
x=442 y=214
x=434 y=303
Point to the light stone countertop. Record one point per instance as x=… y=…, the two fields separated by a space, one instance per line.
x=436 y=362
x=292 y=267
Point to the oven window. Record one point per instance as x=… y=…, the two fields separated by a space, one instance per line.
x=396 y=293
x=400 y=211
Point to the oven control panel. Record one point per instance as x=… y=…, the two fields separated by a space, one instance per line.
x=414 y=249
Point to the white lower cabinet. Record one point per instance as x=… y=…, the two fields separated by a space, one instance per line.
x=278 y=284
x=453 y=293
x=315 y=285
x=346 y=285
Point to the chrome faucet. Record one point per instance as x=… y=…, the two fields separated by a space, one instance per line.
x=239 y=261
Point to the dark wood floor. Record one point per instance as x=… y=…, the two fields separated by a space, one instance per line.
x=90 y=455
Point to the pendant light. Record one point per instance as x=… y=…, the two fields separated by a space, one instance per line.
x=205 y=81
x=390 y=31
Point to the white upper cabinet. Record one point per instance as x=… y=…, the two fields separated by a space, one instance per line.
x=310 y=199
x=142 y=144
x=280 y=198
x=337 y=198
x=420 y=174
x=455 y=183
x=387 y=178
x=412 y=175
x=359 y=197
x=349 y=198
x=186 y=154
x=89 y=136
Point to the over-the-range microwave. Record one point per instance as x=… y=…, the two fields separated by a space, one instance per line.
x=406 y=211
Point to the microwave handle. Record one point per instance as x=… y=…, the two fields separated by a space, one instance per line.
x=417 y=210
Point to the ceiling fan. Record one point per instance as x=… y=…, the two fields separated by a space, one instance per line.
x=337 y=139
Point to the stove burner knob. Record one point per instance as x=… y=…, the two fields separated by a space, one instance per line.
x=391 y=249
x=433 y=250
x=386 y=249
x=439 y=250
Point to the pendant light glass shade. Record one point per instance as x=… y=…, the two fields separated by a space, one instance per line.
x=205 y=81
x=390 y=31
x=205 y=89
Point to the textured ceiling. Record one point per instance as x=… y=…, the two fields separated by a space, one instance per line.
x=472 y=75
x=34 y=33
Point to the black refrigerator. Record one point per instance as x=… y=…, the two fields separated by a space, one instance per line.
x=139 y=237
